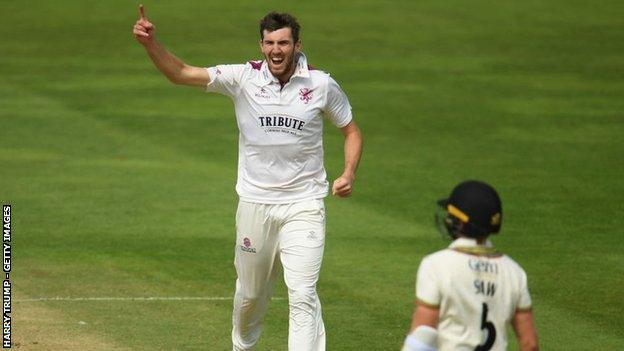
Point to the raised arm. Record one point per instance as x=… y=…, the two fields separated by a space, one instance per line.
x=343 y=185
x=172 y=67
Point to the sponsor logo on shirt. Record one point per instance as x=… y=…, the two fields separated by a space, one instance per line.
x=283 y=124
x=305 y=95
x=262 y=93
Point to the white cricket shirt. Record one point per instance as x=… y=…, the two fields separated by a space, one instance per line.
x=476 y=289
x=280 y=157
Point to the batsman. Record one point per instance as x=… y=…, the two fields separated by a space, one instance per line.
x=280 y=104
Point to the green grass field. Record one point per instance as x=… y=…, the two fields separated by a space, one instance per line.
x=122 y=185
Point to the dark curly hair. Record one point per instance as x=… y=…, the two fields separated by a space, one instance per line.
x=274 y=21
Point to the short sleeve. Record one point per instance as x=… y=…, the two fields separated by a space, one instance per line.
x=337 y=107
x=225 y=79
x=427 y=287
x=524 y=300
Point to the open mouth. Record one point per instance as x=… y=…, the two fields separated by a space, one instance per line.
x=277 y=60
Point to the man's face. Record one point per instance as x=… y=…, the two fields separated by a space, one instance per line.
x=279 y=50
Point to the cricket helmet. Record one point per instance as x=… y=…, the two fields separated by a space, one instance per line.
x=473 y=209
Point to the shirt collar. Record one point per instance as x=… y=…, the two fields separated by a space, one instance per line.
x=469 y=242
x=301 y=70
x=471 y=247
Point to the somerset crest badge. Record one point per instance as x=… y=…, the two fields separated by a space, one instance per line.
x=305 y=95
x=247 y=246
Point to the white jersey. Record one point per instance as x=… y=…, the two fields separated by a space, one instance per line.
x=477 y=291
x=280 y=157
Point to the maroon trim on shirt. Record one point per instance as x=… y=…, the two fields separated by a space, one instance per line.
x=310 y=68
x=255 y=64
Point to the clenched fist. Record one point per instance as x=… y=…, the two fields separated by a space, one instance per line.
x=343 y=186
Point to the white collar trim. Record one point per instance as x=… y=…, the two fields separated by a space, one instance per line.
x=468 y=242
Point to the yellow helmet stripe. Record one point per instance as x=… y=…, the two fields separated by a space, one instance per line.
x=457 y=213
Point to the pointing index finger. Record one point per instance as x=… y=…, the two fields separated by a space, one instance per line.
x=142 y=12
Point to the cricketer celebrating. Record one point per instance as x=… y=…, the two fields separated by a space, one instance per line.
x=468 y=294
x=279 y=104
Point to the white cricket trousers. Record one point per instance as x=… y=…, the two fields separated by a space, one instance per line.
x=293 y=234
